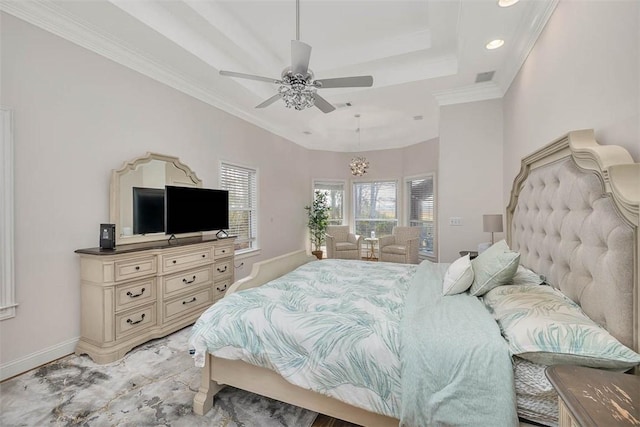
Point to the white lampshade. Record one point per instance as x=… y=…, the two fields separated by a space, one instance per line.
x=492 y=223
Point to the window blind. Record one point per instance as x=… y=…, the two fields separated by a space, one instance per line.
x=421 y=210
x=241 y=182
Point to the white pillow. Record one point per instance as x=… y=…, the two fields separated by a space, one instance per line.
x=525 y=276
x=459 y=276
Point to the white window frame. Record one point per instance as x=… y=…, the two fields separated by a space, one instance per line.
x=345 y=199
x=407 y=208
x=255 y=247
x=7 y=275
x=399 y=204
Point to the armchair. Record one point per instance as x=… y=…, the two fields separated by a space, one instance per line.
x=401 y=246
x=341 y=243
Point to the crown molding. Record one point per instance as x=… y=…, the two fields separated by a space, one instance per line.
x=49 y=17
x=471 y=93
x=529 y=30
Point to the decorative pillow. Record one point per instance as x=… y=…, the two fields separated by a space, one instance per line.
x=458 y=277
x=544 y=326
x=493 y=267
x=524 y=276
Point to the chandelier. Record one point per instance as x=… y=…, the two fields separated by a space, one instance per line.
x=297 y=90
x=358 y=164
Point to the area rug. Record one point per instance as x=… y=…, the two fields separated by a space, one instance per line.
x=153 y=385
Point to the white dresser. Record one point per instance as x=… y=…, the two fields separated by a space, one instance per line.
x=139 y=292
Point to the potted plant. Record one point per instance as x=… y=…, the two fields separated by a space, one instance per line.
x=318 y=220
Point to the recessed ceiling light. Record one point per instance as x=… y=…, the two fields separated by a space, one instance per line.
x=306 y=132
x=494 y=44
x=418 y=117
x=507 y=3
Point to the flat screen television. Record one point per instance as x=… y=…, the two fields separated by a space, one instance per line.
x=189 y=209
x=148 y=210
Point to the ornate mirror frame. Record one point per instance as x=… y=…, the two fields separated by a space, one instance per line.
x=180 y=175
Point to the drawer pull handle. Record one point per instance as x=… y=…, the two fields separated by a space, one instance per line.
x=222 y=271
x=224 y=251
x=204 y=255
x=130 y=295
x=174 y=261
x=189 y=302
x=223 y=289
x=131 y=322
x=186 y=282
x=137 y=267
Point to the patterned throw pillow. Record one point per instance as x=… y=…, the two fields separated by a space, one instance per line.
x=458 y=277
x=525 y=276
x=544 y=326
x=494 y=267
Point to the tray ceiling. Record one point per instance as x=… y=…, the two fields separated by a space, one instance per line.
x=421 y=54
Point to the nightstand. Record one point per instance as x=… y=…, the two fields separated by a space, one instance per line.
x=595 y=398
x=472 y=254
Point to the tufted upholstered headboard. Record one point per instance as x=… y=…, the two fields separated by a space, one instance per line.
x=573 y=216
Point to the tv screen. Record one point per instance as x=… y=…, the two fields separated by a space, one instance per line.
x=148 y=210
x=189 y=209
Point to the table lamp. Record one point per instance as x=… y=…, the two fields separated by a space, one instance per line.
x=492 y=224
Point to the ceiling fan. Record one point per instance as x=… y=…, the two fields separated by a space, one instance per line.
x=298 y=88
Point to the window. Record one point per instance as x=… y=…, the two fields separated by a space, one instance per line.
x=7 y=283
x=335 y=197
x=375 y=207
x=420 y=209
x=241 y=182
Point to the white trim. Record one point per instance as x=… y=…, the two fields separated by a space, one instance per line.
x=38 y=358
x=530 y=28
x=471 y=93
x=7 y=269
x=52 y=18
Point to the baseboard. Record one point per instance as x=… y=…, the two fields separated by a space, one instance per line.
x=33 y=360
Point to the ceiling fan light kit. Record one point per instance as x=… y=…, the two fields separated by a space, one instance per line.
x=298 y=89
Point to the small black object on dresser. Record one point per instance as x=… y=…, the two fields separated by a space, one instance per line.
x=107 y=236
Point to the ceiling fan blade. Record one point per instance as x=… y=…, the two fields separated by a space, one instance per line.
x=249 y=76
x=269 y=101
x=356 y=81
x=323 y=104
x=300 y=55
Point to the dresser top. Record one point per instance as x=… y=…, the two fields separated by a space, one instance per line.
x=145 y=246
x=598 y=398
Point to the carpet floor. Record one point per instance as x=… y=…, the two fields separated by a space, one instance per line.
x=153 y=385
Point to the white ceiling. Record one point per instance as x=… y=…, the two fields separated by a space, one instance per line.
x=421 y=54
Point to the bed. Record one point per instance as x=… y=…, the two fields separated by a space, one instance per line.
x=572 y=218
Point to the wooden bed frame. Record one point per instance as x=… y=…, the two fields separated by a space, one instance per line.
x=613 y=165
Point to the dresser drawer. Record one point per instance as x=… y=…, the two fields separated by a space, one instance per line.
x=181 y=260
x=219 y=288
x=223 y=251
x=137 y=293
x=132 y=268
x=177 y=307
x=135 y=321
x=185 y=280
x=222 y=269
